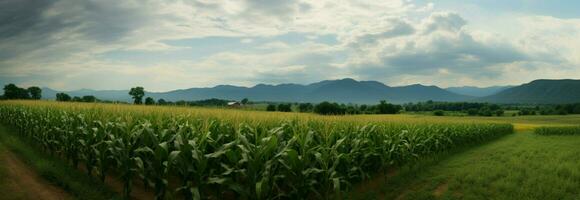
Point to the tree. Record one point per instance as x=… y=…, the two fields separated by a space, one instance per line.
x=576 y=109
x=22 y=93
x=438 y=113
x=149 y=101
x=62 y=97
x=327 y=108
x=77 y=99
x=472 y=112
x=161 y=102
x=305 y=107
x=285 y=107
x=137 y=93
x=363 y=108
x=10 y=91
x=485 y=112
x=271 y=107
x=35 y=92
x=387 y=108
x=245 y=101
x=89 y=98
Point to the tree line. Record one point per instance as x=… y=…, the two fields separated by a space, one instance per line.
x=557 y=109
x=87 y=98
x=12 y=91
x=332 y=108
x=469 y=108
x=138 y=96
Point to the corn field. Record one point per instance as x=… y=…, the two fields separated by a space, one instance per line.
x=565 y=130
x=196 y=156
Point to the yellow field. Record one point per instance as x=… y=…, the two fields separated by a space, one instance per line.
x=238 y=115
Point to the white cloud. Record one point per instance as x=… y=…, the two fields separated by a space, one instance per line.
x=395 y=41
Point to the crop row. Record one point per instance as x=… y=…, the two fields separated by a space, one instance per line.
x=202 y=157
x=564 y=130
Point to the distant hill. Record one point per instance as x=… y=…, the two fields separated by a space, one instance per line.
x=343 y=91
x=539 y=92
x=477 y=91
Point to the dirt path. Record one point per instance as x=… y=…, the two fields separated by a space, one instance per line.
x=25 y=181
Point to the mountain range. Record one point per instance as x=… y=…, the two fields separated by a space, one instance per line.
x=477 y=91
x=367 y=92
x=539 y=92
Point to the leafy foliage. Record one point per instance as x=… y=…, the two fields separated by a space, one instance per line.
x=12 y=91
x=149 y=101
x=305 y=107
x=89 y=98
x=35 y=92
x=63 y=97
x=285 y=107
x=470 y=108
x=271 y=107
x=137 y=93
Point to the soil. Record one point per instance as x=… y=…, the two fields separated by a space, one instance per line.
x=440 y=190
x=25 y=181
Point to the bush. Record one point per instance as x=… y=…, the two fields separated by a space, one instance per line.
x=271 y=108
x=63 y=97
x=327 y=108
x=89 y=98
x=486 y=113
x=285 y=107
x=387 y=108
x=472 y=112
x=149 y=101
x=305 y=107
x=438 y=113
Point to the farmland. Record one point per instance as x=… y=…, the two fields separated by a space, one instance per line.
x=215 y=153
x=210 y=153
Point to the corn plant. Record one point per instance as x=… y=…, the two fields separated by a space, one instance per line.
x=568 y=130
x=204 y=155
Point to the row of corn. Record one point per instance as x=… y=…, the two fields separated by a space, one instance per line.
x=193 y=157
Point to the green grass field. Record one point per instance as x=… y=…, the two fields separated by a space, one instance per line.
x=518 y=166
x=406 y=156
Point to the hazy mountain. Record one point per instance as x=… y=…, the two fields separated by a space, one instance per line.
x=343 y=90
x=539 y=92
x=477 y=91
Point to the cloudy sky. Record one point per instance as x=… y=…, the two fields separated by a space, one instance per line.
x=173 y=44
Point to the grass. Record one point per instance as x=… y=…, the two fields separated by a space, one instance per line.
x=518 y=166
x=51 y=169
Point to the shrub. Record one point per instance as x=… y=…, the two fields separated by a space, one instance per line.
x=285 y=107
x=271 y=107
x=327 y=108
x=438 y=113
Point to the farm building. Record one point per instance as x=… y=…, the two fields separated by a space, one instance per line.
x=234 y=104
